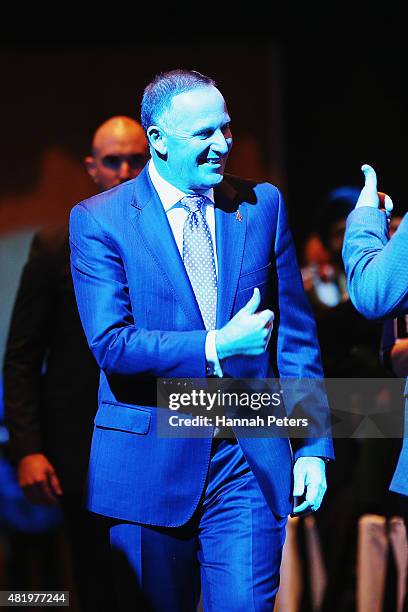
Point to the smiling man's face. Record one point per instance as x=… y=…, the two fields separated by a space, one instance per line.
x=196 y=139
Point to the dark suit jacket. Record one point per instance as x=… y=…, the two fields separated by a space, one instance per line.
x=143 y=322
x=50 y=376
x=377 y=276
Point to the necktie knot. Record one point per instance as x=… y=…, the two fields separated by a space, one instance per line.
x=193 y=203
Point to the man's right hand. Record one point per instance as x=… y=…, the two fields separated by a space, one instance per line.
x=38 y=479
x=248 y=331
x=369 y=196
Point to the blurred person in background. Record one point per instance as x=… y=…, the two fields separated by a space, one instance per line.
x=31 y=545
x=323 y=272
x=51 y=378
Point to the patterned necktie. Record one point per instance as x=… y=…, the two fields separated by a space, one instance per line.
x=198 y=257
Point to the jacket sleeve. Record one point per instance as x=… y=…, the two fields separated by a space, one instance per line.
x=121 y=347
x=377 y=274
x=26 y=350
x=298 y=352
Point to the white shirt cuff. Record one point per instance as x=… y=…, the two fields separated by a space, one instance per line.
x=211 y=354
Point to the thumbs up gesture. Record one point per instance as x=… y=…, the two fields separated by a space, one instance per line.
x=248 y=332
x=369 y=195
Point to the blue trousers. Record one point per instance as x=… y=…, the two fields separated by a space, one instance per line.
x=231 y=548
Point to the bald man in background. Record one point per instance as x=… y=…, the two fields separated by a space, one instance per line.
x=119 y=152
x=51 y=378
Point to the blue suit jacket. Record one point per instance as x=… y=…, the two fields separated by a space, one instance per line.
x=377 y=277
x=142 y=322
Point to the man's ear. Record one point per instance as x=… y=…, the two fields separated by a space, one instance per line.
x=157 y=139
x=90 y=166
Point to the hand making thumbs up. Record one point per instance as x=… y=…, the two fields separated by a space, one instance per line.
x=369 y=195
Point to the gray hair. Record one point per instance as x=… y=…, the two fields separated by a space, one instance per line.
x=158 y=95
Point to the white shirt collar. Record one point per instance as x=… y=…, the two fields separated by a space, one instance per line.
x=168 y=194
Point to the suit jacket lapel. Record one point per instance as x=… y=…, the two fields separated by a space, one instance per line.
x=155 y=231
x=230 y=230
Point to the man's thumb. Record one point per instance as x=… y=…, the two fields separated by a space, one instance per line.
x=368 y=195
x=370 y=177
x=252 y=306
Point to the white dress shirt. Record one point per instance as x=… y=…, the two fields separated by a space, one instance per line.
x=170 y=197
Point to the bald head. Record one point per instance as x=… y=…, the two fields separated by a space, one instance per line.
x=119 y=152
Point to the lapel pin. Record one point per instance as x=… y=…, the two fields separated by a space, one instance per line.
x=238 y=216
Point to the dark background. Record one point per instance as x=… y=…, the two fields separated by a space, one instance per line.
x=311 y=100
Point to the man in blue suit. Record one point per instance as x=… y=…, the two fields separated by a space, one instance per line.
x=377 y=276
x=180 y=273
